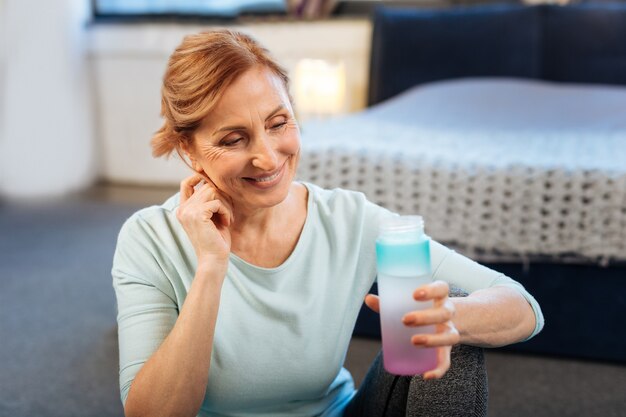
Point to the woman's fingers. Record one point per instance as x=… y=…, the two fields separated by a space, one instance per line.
x=443 y=364
x=435 y=315
x=373 y=302
x=441 y=315
x=447 y=335
x=202 y=189
x=434 y=290
x=209 y=191
x=217 y=207
x=187 y=186
x=214 y=209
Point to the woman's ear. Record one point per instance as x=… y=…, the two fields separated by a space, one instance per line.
x=194 y=164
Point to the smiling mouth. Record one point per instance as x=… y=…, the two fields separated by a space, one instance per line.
x=267 y=178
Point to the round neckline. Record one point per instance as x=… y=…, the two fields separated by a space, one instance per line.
x=296 y=250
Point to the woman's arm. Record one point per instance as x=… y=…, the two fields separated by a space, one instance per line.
x=498 y=311
x=493 y=317
x=173 y=381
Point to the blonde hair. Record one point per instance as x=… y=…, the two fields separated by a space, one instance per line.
x=197 y=75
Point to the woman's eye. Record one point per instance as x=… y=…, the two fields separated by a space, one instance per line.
x=279 y=125
x=231 y=142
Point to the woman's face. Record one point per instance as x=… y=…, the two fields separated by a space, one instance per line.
x=249 y=145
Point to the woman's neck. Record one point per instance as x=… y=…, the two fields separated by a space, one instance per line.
x=276 y=227
x=258 y=221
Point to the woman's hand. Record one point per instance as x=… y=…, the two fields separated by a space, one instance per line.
x=206 y=215
x=441 y=315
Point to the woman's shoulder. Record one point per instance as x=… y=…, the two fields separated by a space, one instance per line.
x=334 y=196
x=148 y=249
x=351 y=202
x=151 y=218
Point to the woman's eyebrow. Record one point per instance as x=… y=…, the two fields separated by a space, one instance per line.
x=229 y=128
x=276 y=110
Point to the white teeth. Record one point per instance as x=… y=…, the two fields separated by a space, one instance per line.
x=266 y=179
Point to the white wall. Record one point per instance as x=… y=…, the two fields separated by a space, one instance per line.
x=3 y=37
x=47 y=141
x=129 y=61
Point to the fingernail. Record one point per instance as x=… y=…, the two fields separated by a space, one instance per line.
x=420 y=294
x=408 y=320
x=418 y=340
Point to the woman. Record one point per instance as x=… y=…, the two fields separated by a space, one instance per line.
x=238 y=295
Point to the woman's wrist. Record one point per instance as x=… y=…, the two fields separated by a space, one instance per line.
x=212 y=266
x=492 y=317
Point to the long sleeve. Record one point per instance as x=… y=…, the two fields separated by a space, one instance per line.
x=456 y=269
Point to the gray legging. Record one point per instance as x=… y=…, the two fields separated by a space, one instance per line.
x=462 y=392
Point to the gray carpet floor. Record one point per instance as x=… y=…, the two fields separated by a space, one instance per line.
x=58 y=346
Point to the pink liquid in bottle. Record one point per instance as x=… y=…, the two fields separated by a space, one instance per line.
x=403 y=261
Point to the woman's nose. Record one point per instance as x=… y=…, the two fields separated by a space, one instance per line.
x=265 y=156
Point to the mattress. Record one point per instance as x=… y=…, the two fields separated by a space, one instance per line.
x=501 y=169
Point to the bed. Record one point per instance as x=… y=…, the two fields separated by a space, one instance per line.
x=504 y=126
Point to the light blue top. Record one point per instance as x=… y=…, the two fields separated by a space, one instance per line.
x=282 y=333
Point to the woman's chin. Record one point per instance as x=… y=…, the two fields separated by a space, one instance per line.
x=266 y=195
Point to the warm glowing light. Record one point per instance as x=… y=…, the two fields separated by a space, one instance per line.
x=320 y=88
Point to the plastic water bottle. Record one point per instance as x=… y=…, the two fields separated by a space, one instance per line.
x=403 y=262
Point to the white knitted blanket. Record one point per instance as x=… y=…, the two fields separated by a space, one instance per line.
x=501 y=169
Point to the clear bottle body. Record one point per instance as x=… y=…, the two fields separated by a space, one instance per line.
x=403 y=263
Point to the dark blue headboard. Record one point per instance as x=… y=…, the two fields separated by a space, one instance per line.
x=584 y=43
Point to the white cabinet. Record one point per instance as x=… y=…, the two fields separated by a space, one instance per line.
x=129 y=60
